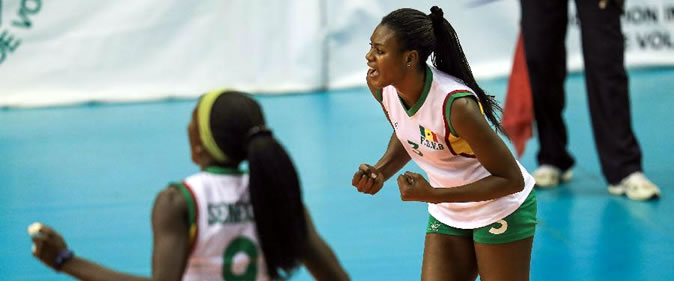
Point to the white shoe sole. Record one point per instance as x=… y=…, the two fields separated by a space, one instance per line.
x=550 y=180
x=640 y=192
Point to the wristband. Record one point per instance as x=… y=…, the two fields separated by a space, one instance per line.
x=63 y=256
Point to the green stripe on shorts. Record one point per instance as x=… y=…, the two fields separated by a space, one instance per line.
x=517 y=226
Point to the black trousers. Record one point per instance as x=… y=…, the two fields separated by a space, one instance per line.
x=544 y=25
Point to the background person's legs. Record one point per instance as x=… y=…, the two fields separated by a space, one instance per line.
x=544 y=25
x=608 y=97
x=607 y=90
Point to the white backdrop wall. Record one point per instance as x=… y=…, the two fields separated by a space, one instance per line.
x=487 y=34
x=69 y=51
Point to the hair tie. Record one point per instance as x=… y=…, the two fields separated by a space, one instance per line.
x=435 y=10
x=257 y=131
x=436 y=14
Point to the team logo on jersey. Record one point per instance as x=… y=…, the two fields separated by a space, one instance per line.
x=430 y=139
x=415 y=148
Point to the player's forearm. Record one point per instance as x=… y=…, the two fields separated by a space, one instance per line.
x=318 y=258
x=322 y=262
x=488 y=188
x=85 y=270
x=394 y=159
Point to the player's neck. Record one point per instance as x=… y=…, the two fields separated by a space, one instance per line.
x=410 y=88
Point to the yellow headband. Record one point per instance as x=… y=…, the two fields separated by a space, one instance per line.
x=204 y=121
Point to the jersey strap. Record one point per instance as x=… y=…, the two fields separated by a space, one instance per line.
x=456 y=144
x=191 y=210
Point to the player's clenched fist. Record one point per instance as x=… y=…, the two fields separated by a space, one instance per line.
x=48 y=246
x=368 y=179
x=414 y=187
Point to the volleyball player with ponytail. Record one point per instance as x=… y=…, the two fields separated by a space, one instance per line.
x=481 y=200
x=222 y=223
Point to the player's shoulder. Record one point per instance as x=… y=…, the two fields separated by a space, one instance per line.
x=448 y=84
x=172 y=197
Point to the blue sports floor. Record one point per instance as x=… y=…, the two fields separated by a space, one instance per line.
x=92 y=172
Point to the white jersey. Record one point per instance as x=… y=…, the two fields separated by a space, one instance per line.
x=448 y=160
x=222 y=229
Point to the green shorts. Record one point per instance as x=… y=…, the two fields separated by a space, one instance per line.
x=517 y=226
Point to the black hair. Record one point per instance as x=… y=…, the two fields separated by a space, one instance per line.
x=237 y=124
x=433 y=34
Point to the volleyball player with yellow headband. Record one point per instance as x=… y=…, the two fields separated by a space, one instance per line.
x=222 y=223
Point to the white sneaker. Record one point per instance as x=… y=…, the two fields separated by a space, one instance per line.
x=548 y=176
x=636 y=187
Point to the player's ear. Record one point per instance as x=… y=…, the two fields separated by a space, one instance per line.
x=411 y=58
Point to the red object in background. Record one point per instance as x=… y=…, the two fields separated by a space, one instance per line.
x=518 y=112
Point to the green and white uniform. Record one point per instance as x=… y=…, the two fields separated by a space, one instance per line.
x=223 y=237
x=448 y=160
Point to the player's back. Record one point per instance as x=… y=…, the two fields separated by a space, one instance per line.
x=223 y=236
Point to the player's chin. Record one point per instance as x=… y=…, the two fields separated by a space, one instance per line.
x=377 y=82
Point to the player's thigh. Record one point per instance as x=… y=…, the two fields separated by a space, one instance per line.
x=503 y=249
x=448 y=258
x=509 y=261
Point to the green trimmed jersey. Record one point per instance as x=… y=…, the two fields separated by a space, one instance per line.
x=425 y=131
x=224 y=241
